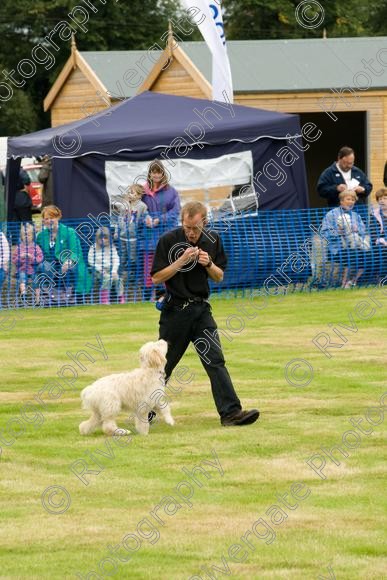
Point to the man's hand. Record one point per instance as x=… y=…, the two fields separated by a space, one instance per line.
x=148 y=221
x=156 y=222
x=189 y=255
x=341 y=187
x=360 y=189
x=204 y=258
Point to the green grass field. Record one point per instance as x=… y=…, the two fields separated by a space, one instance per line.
x=340 y=520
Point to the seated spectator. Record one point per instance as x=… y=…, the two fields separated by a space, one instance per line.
x=4 y=260
x=379 y=227
x=26 y=257
x=346 y=233
x=63 y=263
x=379 y=213
x=343 y=175
x=103 y=259
x=133 y=216
x=163 y=203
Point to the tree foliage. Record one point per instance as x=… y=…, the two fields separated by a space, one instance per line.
x=115 y=26
x=269 y=19
x=18 y=115
x=137 y=25
x=377 y=18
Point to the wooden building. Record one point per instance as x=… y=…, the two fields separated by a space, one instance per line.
x=339 y=84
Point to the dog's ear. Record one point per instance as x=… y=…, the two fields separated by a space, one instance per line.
x=156 y=359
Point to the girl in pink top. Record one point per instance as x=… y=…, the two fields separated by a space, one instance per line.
x=26 y=257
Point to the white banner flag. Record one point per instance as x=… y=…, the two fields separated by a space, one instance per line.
x=207 y=15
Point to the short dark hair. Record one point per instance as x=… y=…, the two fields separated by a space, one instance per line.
x=192 y=208
x=344 y=152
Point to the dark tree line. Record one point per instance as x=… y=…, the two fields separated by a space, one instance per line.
x=137 y=25
x=264 y=19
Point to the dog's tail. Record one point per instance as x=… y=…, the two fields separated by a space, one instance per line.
x=86 y=396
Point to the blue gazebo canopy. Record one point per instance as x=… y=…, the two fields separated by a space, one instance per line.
x=153 y=125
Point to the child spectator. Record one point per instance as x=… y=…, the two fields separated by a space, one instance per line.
x=104 y=260
x=128 y=230
x=379 y=212
x=379 y=228
x=26 y=257
x=4 y=260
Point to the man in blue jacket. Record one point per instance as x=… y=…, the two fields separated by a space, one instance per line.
x=342 y=175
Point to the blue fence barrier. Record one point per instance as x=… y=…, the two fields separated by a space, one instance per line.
x=94 y=261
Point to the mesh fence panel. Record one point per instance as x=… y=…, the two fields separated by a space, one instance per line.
x=91 y=261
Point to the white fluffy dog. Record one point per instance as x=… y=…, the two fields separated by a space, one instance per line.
x=139 y=391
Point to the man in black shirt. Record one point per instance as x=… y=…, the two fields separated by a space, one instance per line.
x=185 y=257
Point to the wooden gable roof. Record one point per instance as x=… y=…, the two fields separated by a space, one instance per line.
x=258 y=66
x=76 y=62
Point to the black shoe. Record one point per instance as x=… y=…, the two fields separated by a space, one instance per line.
x=240 y=418
x=151 y=416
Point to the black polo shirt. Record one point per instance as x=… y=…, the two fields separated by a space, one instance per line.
x=192 y=280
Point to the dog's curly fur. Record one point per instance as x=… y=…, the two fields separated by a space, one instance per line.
x=139 y=391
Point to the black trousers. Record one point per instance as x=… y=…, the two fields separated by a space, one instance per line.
x=179 y=327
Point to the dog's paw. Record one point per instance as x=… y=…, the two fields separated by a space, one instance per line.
x=119 y=432
x=83 y=429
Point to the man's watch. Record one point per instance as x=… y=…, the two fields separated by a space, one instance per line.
x=210 y=262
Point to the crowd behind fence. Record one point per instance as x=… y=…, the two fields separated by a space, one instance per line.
x=95 y=261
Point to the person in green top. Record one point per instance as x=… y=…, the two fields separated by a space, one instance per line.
x=63 y=257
